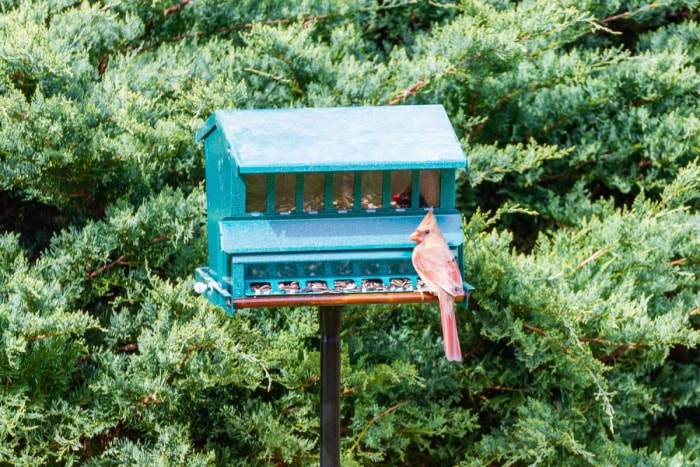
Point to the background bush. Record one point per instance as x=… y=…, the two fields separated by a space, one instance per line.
x=579 y=121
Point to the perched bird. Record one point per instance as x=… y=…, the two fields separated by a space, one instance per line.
x=436 y=266
x=403 y=199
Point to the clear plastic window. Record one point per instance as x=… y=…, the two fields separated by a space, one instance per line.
x=402 y=182
x=349 y=190
x=430 y=187
x=372 y=190
x=285 y=192
x=343 y=190
x=401 y=188
x=314 y=191
x=255 y=192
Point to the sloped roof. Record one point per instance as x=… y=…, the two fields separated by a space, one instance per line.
x=337 y=138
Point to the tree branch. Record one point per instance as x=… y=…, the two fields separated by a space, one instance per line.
x=375 y=419
x=122 y=260
x=177 y=7
x=119 y=261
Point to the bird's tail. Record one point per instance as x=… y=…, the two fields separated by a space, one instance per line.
x=453 y=352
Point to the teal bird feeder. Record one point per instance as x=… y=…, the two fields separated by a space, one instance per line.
x=316 y=206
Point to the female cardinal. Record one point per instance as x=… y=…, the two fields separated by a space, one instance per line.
x=436 y=265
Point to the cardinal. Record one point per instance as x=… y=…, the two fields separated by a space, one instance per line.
x=403 y=199
x=436 y=266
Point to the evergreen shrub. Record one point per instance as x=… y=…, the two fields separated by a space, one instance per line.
x=579 y=122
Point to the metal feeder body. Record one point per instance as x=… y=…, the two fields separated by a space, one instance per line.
x=316 y=205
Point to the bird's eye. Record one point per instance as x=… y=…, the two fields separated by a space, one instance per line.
x=426 y=231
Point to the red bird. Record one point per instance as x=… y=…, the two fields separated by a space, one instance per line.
x=403 y=199
x=436 y=266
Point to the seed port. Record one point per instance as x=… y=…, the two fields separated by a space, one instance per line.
x=400 y=283
x=316 y=287
x=261 y=288
x=345 y=285
x=373 y=285
x=289 y=287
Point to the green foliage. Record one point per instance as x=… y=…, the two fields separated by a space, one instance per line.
x=579 y=122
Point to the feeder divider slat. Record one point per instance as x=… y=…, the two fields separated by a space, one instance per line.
x=328 y=189
x=386 y=189
x=299 y=201
x=270 y=193
x=415 y=192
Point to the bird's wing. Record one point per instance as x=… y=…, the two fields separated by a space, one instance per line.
x=438 y=266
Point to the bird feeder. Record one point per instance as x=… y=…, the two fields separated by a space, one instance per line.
x=316 y=206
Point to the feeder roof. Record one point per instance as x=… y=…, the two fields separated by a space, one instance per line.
x=337 y=139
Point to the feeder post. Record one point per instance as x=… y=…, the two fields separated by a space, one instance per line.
x=330 y=319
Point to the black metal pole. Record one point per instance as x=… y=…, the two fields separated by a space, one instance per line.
x=331 y=319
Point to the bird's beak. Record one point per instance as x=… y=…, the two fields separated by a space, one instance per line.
x=396 y=198
x=416 y=236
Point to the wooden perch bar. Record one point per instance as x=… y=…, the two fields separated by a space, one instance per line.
x=330 y=299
